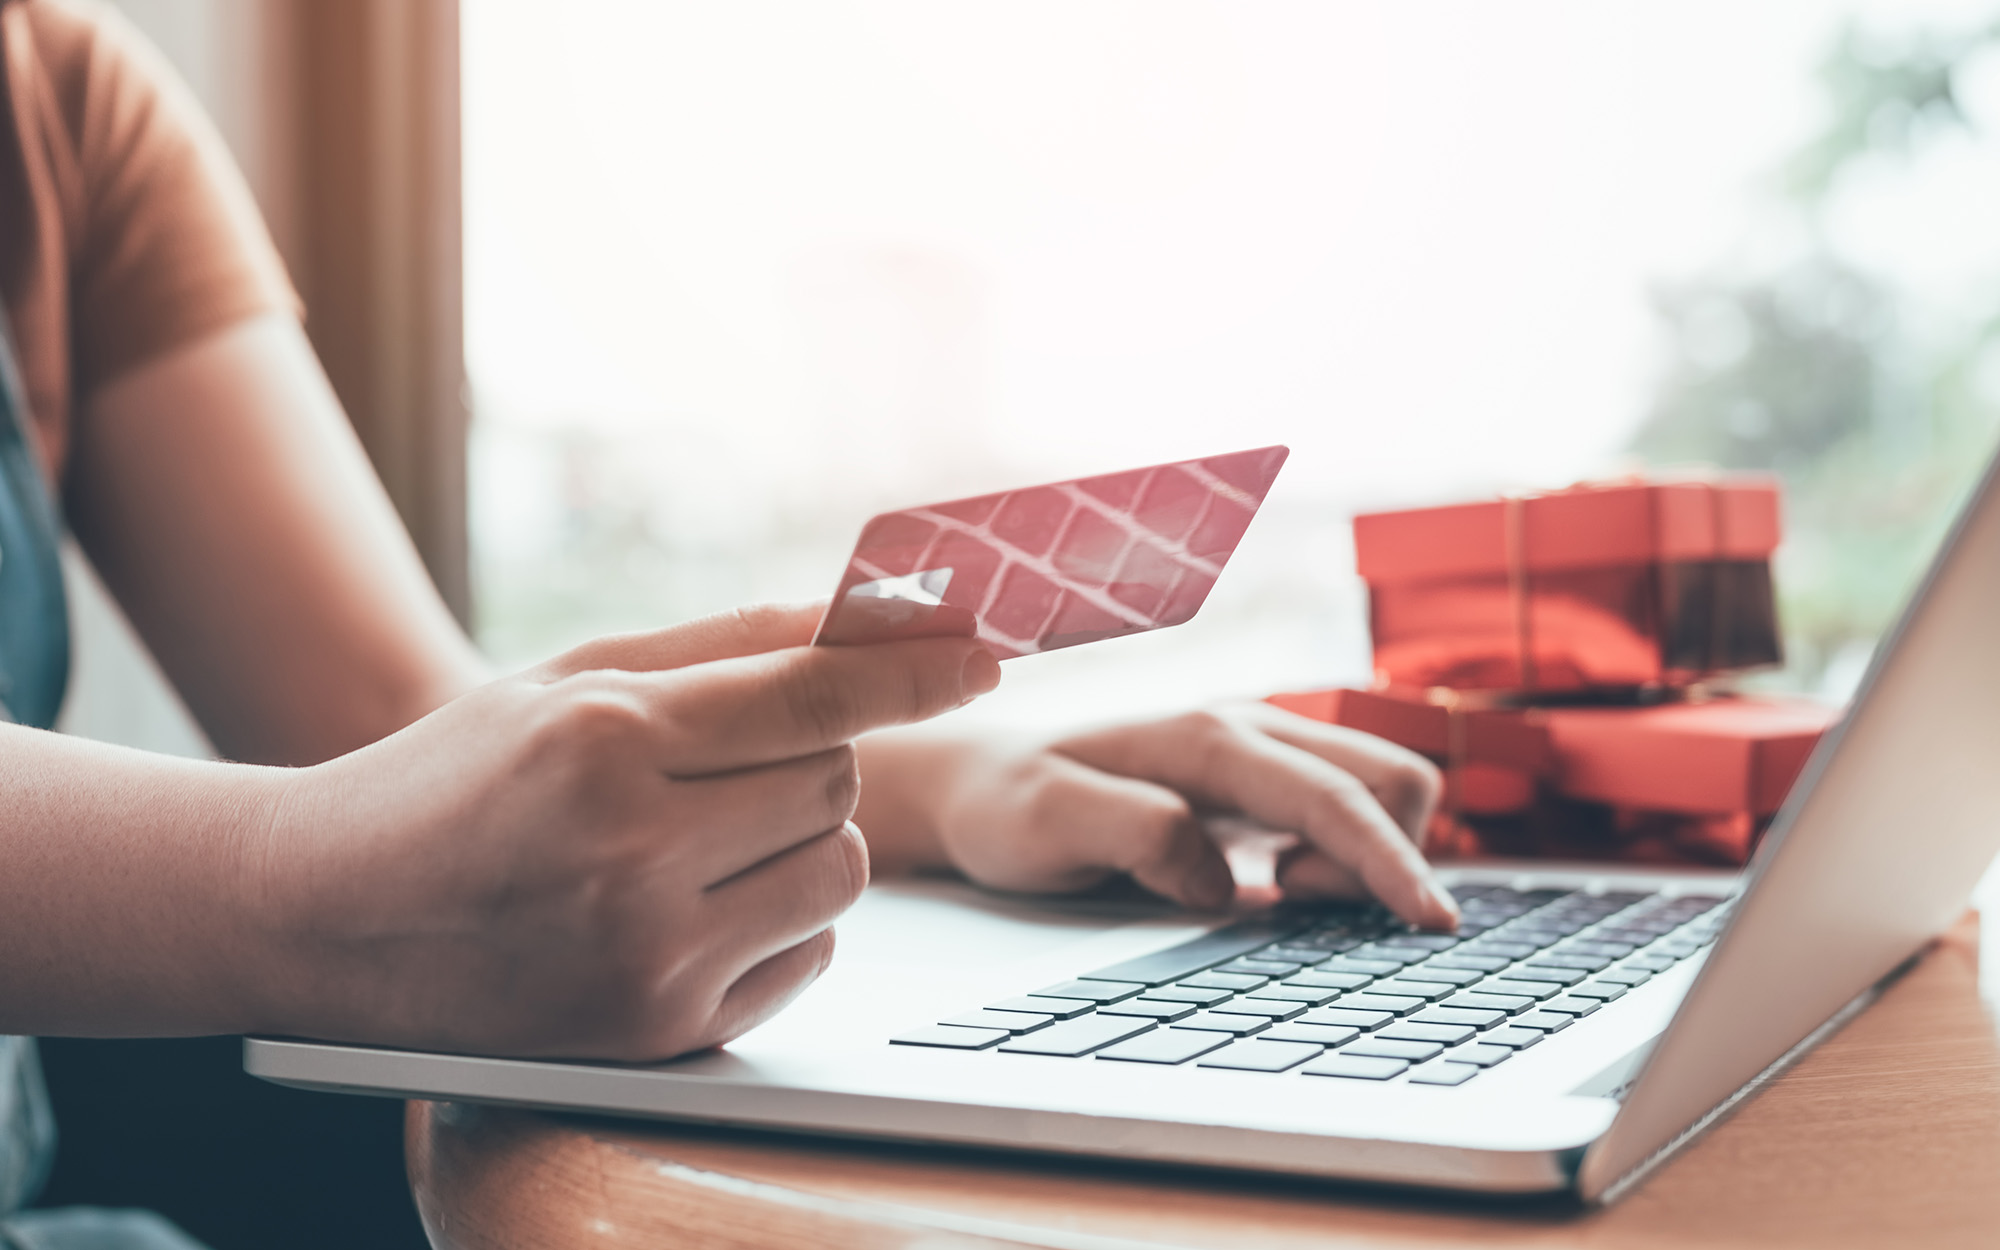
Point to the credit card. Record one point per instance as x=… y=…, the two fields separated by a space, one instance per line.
x=1053 y=566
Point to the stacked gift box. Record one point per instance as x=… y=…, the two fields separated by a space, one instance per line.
x=1561 y=655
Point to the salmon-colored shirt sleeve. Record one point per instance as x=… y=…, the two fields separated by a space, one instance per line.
x=125 y=229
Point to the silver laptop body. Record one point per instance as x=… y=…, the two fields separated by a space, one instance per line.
x=1876 y=852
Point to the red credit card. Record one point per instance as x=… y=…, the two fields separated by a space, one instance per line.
x=1053 y=566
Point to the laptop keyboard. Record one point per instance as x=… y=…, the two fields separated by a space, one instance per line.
x=1352 y=992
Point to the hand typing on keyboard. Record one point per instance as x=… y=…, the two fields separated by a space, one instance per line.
x=1065 y=814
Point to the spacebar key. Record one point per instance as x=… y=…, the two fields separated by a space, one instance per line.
x=1193 y=956
x=1078 y=1037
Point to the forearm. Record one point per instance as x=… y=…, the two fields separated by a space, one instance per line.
x=234 y=516
x=130 y=903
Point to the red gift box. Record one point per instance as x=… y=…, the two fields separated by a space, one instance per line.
x=1676 y=782
x=1713 y=758
x=1492 y=757
x=1599 y=586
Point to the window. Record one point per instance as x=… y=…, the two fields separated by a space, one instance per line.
x=740 y=275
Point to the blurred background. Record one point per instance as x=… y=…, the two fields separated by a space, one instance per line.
x=738 y=276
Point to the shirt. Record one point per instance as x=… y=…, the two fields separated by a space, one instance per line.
x=125 y=229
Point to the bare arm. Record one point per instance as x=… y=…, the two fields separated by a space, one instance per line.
x=234 y=516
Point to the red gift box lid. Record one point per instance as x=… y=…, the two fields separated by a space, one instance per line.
x=1729 y=755
x=1730 y=517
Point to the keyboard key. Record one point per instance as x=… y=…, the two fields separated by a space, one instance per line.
x=1180 y=962
x=1542 y=972
x=1060 y=1008
x=1381 y=1048
x=1077 y=1037
x=1627 y=976
x=1011 y=1021
x=1311 y=996
x=1396 y=1005
x=1344 y=1017
x=1382 y=951
x=1326 y=943
x=1598 y=946
x=1460 y=1015
x=1491 y=946
x=1422 y=941
x=1232 y=981
x=1519 y=1039
x=1152 y=1009
x=1444 y=1074
x=1262 y=967
x=1168 y=1046
x=1304 y=956
x=1571 y=960
x=1479 y=1000
x=950 y=1037
x=1270 y=1008
x=1650 y=962
x=1320 y=978
x=1414 y=1031
x=1430 y=991
x=1229 y=1022
x=1476 y=963
x=1482 y=1054
x=1545 y=1021
x=1448 y=976
x=1317 y=1034
x=1364 y=967
x=1357 y=1067
x=1536 y=990
x=1571 y=1006
x=1600 y=989
x=1092 y=991
x=1258 y=1055
x=1187 y=994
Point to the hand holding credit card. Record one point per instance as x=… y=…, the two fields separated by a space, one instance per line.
x=1053 y=566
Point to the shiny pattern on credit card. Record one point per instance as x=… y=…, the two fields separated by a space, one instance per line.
x=1053 y=566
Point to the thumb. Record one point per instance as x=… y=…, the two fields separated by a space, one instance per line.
x=728 y=635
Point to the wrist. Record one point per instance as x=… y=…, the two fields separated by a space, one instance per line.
x=907 y=781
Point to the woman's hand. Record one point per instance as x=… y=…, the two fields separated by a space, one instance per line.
x=632 y=852
x=1065 y=814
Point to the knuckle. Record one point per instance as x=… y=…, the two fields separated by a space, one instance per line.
x=847 y=866
x=843 y=784
x=596 y=709
x=1416 y=785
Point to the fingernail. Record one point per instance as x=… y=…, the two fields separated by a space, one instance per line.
x=981 y=675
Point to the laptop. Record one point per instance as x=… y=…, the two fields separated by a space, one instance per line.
x=1583 y=1024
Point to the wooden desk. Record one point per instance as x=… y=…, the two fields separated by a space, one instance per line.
x=1887 y=1135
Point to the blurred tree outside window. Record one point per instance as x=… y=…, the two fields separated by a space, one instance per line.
x=1875 y=404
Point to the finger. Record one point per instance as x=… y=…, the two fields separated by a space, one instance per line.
x=751 y=815
x=725 y=635
x=767 y=987
x=1305 y=871
x=1216 y=759
x=775 y=905
x=757 y=709
x=1407 y=784
x=1135 y=827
